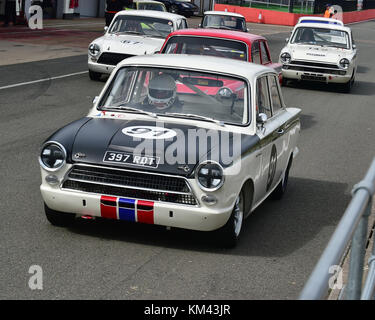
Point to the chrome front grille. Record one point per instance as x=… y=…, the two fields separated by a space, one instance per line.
x=314 y=67
x=128 y=183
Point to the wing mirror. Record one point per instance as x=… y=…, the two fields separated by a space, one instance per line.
x=105 y=29
x=354 y=46
x=95 y=100
x=200 y=25
x=287 y=40
x=247 y=30
x=261 y=119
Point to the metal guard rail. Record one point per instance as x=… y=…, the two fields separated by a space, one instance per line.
x=353 y=225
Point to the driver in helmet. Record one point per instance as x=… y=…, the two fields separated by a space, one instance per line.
x=162 y=93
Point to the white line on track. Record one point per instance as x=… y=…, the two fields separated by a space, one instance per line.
x=42 y=80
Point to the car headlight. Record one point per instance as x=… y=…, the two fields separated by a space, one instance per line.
x=53 y=156
x=285 y=57
x=94 y=49
x=210 y=176
x=225 y=93
x=344 y=63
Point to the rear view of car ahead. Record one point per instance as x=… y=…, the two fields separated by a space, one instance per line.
x=174 y=140
x=134 y=32
x=320 y=49
x=224 y=20
x=183 y=7
x=148 y=5
x=221 y=43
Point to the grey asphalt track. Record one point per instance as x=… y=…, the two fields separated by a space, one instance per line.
x=281 y=241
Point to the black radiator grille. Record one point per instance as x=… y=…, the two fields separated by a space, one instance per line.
x=112 y=58
x=129 y=183
x=131 y=193
x=315 y=64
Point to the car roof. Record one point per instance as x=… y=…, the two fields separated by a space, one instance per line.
x=201 y=63
x=320 y=20
x=150 y=13
x=224 y=13
x=218 y=33
x=326 y=23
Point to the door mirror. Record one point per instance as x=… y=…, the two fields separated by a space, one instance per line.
x=105 y=29
x=354 y=46
x=200 y=25
x=247 y=30
x=261 y=119
x=287 y=40
x=95 y=100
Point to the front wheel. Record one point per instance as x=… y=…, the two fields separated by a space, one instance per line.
x=95 y=76
x=229 y=234
x=284 y=82
x=347 y=87
x=57 y=218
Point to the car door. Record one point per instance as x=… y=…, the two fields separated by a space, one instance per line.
x=271 y=135
x=280 y=118
x=265 y=133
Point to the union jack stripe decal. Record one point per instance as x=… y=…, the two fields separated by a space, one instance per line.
x=127 y=209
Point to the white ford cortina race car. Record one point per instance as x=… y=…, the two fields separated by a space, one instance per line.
x=320 y=49
x=131 y=33
x=185 y=141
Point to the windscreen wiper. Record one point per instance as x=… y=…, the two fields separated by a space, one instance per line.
x=122 y=107
x=189 y=115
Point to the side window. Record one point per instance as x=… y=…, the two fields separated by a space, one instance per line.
x=179 y=24
x=351 y=33
x=264 y=53
x=262 y=97
x=255 y=56
x=275 y=95
x=184 y=24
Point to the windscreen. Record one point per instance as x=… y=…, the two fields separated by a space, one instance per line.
x=146 y=26
x=206 y=46
x=178 y=93
x=322 y=37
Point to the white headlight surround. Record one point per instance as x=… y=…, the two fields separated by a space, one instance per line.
x=285 y=57
x=209 y=176
x=53 y=156
x=94 y=49
x=344 y=63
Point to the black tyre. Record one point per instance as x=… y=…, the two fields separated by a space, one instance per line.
x=229 y=234
x=284 y=82
x=280 y=190
x=95 y=76
x=57 y=218
x=347 y=87
x=173 y=9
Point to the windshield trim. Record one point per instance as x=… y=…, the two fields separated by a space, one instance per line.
x=245 y=80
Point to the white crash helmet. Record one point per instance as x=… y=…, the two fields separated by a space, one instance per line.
x=162 y=91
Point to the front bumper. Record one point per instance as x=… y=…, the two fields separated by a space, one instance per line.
x=320 y=76
x=99 y=67
x=152 y=212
